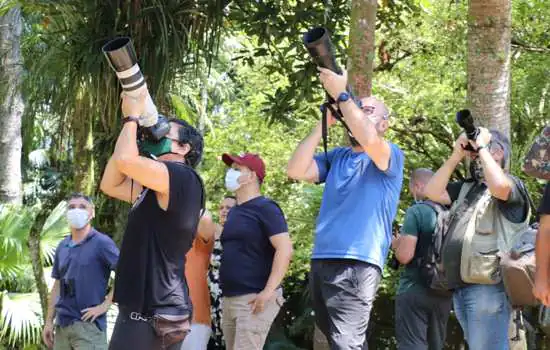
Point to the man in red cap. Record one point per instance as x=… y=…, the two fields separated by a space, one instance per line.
x=256 y=253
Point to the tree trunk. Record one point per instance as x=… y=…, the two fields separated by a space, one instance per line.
x=361 y=46
x=36 y=257
x=83 y=147
x=489 y=35
x=11 y=106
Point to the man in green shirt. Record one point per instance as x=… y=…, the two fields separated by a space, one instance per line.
x=420 y=315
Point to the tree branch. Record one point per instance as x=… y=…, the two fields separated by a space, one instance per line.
x=526 y=47
x=389 y=65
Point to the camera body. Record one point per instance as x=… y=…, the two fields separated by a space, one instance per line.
x=122 y=58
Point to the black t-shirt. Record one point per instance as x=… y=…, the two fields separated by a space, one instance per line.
x=247 y=255
x=514 y=209
x=544 y=208
x=150 y=273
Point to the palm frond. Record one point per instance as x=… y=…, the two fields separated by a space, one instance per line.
x=53 y=231
x=20 y=320
x=15 y=223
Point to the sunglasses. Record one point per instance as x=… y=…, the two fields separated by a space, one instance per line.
x=368 y=110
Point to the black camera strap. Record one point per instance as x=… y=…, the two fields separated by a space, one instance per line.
x=336 y=113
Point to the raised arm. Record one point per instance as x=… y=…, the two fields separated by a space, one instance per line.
x=363 y=128
x=126 y=163
x=301 y=165
x=436 y=188
x=498 y=182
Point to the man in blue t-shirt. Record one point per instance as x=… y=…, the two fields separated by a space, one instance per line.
x=354 y=226
x=256 y=253
x=82 y=265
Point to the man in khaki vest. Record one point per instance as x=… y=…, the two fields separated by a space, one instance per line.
x=487 y=211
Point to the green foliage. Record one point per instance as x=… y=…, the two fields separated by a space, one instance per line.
x=258 y=93
x=20 y=317
x=20 y=320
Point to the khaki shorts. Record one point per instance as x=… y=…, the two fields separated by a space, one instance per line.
x=241 y=328
x=80 y=336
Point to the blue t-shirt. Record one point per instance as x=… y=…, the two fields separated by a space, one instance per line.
x=83 y=272
x=247 y=255
x=359 y=205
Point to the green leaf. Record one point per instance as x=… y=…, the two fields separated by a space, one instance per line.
x=20 y=320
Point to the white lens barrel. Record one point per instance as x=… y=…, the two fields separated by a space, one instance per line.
x=131 y=79
x=133 y=84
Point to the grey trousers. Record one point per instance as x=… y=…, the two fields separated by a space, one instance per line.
x=343 y=292
x=80 y=336
x=421 y=320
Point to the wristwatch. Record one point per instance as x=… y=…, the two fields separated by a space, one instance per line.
x=130 y=119
x=479 y=148
x=343 y=97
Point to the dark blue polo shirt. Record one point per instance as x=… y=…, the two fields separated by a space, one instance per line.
x=247 y=255
x=83 y=271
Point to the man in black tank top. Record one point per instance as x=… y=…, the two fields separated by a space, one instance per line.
x=168 y=197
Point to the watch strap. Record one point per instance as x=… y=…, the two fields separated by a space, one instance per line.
x=343 y=97
x=130 y=119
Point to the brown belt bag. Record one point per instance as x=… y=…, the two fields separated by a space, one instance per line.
x=171 y=329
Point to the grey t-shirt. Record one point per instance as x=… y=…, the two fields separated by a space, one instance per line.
x=514 y=209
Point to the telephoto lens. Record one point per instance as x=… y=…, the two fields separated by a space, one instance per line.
x=465 y=119
x=318 y=43
x=122 y=58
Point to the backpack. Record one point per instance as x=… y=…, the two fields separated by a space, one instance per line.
x=428 y=261
x=517 y=266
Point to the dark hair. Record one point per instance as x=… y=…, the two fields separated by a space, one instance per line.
x=189 y=135
x=78 y=195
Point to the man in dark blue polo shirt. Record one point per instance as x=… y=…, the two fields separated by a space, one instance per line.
x=256 y=254
x=82 y=265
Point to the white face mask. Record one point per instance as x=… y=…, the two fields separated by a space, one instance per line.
x=231 y=180
x=78 y=218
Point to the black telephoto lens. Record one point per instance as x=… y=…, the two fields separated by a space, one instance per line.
x=317 y=41
x=465 y=119
x=120 y=53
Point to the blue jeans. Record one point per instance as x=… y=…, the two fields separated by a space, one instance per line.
x=483 y=312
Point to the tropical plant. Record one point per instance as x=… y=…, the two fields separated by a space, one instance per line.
x=21 y=312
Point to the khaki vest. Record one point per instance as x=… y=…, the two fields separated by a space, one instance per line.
x=488 y=235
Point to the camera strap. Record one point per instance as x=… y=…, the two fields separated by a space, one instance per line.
x=325 y=107
x=324 y=131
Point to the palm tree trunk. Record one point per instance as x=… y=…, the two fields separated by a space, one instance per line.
x=489 y=33
x=11 y=106
x=361 y=46
x=83 y=146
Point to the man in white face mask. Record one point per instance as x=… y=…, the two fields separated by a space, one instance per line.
x=256 y=253
x=82 y=265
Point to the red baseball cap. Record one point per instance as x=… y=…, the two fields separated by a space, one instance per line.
x=249 y=160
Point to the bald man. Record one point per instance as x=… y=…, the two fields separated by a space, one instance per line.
x=354 y=226
x=420 y=315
